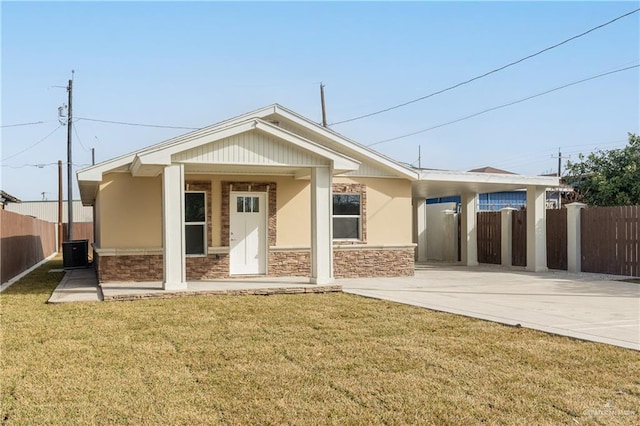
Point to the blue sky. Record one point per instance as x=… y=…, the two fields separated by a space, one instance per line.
x=194 y=64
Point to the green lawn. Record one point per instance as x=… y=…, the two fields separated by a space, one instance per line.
x=294 y=359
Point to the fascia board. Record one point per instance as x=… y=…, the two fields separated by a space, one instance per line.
x=348 y=143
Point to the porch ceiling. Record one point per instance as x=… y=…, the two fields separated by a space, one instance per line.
x=441 y=183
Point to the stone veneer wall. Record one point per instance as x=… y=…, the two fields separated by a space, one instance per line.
x=383 y=262
x=209 y=267
x=144 y=267
x=290 y=263
x=350 y=262
x=360 y=262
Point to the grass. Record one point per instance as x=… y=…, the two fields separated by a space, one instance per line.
x=294 y=359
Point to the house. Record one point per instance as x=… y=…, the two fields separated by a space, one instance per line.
x=272 y=193
x=6 y=198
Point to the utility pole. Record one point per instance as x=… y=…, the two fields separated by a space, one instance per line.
x=324 y=111
x=60 y=236
x=560 y=157
x=93 y=156
x=419 y=158
x=69 y=159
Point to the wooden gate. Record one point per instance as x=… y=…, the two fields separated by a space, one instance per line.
x=489 y=236
x=557 y=239
x=519 y=238
x=610 y=239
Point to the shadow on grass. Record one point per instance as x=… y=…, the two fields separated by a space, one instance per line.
x=39 y=282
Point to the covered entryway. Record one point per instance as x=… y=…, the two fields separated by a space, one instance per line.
x=247 y=235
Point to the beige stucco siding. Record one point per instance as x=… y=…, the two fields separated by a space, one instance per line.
x=388 y=208
x=130 y=211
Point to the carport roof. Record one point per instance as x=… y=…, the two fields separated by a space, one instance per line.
x=442 y=183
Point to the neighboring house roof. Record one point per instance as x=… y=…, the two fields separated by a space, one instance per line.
x=490 y=169
x=6 y=198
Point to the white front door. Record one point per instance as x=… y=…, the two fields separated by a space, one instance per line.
x=247 y=233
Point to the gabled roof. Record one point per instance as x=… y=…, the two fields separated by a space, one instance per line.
x=490 y=169
x=344 y=154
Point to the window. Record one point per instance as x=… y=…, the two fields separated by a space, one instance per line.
x=346 y=217
x=248 y=205
x=195 y=223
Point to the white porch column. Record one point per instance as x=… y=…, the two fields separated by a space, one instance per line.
x=420 y=212
x=173 y=227
x=321 y=226
x=574 y=237
x=506 y=243
x=469 y=237
x=536 y=229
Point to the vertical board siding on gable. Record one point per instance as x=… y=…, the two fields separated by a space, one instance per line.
x=366 y=168
x=250 y=148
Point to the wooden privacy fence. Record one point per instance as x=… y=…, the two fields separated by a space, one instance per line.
x=557 y=239
x=610 y=238
x=25 y=242
x=519 y=238
x=489 y=235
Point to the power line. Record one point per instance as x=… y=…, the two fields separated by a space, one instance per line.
x=78 y=137
x=24 y=124
x=31 y=146
x=40 y=166
x=137 y=124
x=487 y=73
x=503 y=105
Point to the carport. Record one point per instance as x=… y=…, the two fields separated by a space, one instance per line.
x=441 y=183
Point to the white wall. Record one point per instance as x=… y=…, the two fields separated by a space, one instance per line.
x=48 y=210
x=436 y=223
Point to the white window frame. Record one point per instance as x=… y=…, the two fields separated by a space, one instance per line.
x=203 y=224
x=349 y=216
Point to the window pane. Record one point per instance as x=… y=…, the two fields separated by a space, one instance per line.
x=346 y=227
x=346 y=204
x=194 y=207
x=194 y=239
x=240 y=205
x=256 y=205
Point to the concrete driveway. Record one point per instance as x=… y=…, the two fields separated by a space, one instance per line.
x=585 y=306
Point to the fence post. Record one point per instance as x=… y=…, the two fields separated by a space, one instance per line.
x=506 y=243
x=574 y=253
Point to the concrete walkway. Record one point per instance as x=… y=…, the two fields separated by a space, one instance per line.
x=77 y=285
x=81 y=285
x=585 y=306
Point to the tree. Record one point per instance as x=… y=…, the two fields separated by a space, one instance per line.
x=609 y=177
